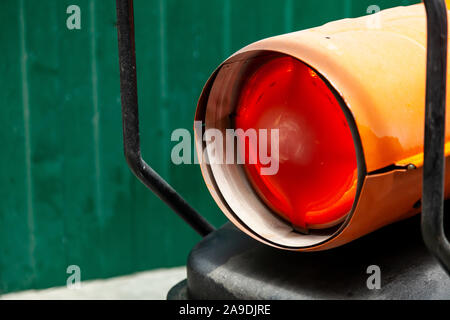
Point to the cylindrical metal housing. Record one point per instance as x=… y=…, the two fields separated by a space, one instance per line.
x=375 y=66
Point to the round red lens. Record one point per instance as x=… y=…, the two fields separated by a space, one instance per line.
x=315 y=185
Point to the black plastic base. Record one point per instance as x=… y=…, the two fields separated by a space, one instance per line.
x=229 y=265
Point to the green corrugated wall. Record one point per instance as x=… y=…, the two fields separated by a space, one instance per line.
x=66 y=194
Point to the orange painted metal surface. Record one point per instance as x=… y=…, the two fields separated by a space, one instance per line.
x=376 y=64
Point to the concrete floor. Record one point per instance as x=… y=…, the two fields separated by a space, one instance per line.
x=151 y=285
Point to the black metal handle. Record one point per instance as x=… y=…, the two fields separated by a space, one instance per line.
x=434 y=159
x=130 y=118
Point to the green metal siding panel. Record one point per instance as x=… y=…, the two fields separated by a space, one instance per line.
x=67 y=196
x=14 y=230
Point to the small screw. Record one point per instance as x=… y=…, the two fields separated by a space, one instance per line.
x=411 y=167
x=418 y=204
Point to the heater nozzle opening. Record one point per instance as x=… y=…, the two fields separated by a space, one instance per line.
x=316 y=182
x=299 y=177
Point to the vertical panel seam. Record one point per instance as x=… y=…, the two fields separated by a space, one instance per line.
x=289 y=16
x=26 y=122
x=163 y=83
x=348 y=8
x=164 y=106
x=227 y=28
x=162 y=46
x=96 y=117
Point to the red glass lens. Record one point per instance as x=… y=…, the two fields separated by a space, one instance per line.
x=315 y=185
